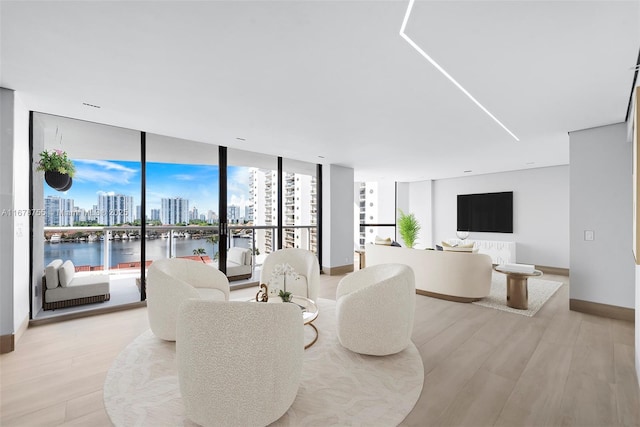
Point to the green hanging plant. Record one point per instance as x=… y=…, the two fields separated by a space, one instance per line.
x=409 y=228
x=56 y=161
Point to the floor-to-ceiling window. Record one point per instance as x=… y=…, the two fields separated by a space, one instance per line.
x=300 y=205
x=182 y=181
x=252 y=203
x=375 y=211
x=94 y=221
x=138 y=197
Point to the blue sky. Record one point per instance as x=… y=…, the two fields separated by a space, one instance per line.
x=198 y=183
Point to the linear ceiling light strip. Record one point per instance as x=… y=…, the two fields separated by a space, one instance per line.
x=443 y=71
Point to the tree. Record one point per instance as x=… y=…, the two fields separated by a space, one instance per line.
x=214 y=239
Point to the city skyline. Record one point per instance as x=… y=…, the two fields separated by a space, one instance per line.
x=197 y=183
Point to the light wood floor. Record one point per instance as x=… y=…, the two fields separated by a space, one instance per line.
x=483 y=367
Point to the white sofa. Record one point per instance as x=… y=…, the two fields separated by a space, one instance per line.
x=239 y=363
x=455 y=276
x=62 y=287
x=239 y=263
x=171 y=281
x=375 y=307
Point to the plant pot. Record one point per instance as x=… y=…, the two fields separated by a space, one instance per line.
x=68 y=186
x=57 y=181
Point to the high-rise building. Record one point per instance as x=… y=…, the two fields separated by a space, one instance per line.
x=174 y=210
x=263 y=202
x=299 y=209
x=193 y=214
x=155 y=214
x=58 y=212
x=114 y=209
x=138 y=216
x=212 y=217
x=233 y=214
x=375 y=204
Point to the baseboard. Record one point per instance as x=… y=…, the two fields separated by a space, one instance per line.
x=603 y=310
x=553 y=270
x=338 y=271
x=86 y=313
x=7 y=343
x=22 y=328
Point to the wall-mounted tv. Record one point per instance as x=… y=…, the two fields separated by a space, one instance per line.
x=487 y=212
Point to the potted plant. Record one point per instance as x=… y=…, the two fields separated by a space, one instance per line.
x=409 y=228
x=58 y=169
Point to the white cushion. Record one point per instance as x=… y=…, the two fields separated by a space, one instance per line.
x=236 y=256
x=459 y=249
x=80 y=287
x=51 y=273
x=380 y=241
x=66 y=273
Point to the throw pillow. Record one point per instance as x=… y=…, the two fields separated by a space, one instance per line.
x=51 y=273
x=380 y=241
x=66 y=273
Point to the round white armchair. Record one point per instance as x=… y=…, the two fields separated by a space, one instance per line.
x=173 y=280
x=375 y=308
x=239 y=363
x=303 y=262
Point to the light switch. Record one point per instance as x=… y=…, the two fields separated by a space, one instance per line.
x=589 y=235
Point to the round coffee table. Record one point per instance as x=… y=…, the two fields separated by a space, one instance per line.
x=309 y=312
x=517 y=287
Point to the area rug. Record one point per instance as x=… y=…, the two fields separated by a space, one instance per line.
x=539 y=293
x=338 y=387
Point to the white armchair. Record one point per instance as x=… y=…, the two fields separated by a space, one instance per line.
x=305 y=264
x=171 y=281
x=375 y=308
x=239 y=363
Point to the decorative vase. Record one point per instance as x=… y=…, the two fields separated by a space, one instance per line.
x=57 y=180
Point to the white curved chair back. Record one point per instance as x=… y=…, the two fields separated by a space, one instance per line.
x=304 y=262
x=239 y=363
x=375 y=308
x=173 y=280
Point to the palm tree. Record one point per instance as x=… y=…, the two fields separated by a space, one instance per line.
x=214 y=239
x=200 y=252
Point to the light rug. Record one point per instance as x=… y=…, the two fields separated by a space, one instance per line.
x=539 y=293
x=338 y=387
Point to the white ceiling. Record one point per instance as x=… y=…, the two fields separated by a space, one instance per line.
x=334 y=79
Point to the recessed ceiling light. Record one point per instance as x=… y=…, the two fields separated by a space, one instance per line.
x=86 y=104
x=530 y=163
x=442 y=70
x=240 y=139
x=467 y=171
x=322 y=157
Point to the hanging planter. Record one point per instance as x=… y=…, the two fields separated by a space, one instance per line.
x=57 y=181
x=58 y=169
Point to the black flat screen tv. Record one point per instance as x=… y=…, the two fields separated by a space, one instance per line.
x=487 y=212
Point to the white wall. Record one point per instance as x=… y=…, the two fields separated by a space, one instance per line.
x=420 y=204
x=540 y=209
x=337 y=216
x=602 y=270
x=14 y=223
x=6 y=219
x=21 y=248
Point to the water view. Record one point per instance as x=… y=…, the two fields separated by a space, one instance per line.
x=126 y=251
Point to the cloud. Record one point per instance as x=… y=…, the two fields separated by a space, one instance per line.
x=184 y=177
x=103 y=172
